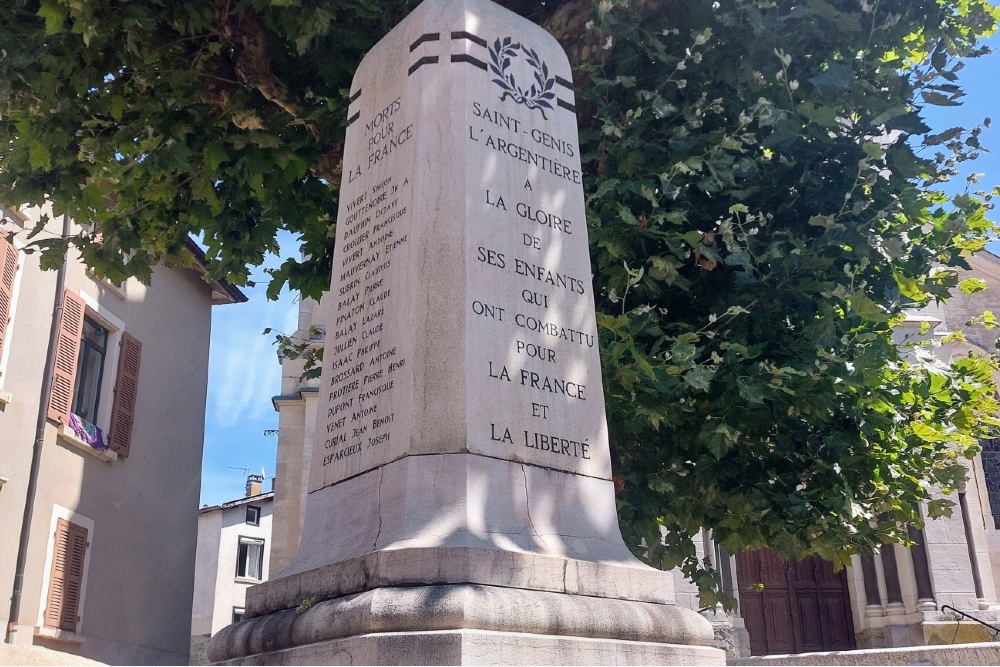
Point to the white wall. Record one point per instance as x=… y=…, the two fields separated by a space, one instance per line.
x=218 y=589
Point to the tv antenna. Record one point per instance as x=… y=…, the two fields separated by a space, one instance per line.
x=245 y=469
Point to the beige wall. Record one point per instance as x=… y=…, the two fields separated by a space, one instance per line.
x=137 y=608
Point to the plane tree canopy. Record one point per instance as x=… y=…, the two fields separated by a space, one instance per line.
x=764 y=201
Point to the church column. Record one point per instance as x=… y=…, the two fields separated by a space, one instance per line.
x=873 y=600
x=921 y=571
x=970 y=541
x=893 y=592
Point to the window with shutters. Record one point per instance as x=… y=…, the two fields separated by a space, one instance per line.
x=250 y=558
x=69 y=551
x=9 y=273
x=91 y=357
x=90 y=370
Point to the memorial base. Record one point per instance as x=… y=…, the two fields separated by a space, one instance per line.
x=468 y=624
x=480 y=647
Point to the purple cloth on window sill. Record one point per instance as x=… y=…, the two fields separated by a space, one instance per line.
x=87 y=432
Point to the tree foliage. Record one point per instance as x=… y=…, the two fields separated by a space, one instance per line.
x=764 y=211
x=763 y=200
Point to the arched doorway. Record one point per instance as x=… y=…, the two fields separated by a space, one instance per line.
x=793 y=606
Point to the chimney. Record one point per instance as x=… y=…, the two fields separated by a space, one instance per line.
x=254 y=483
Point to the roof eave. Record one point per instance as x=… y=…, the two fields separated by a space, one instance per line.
x=223 y=291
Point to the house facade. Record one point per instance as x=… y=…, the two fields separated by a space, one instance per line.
x=234 y=540
x=101 y=459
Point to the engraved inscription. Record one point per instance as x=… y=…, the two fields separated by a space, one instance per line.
x=361 y=353
x=525 y=246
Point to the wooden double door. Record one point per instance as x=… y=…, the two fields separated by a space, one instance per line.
x=793 y=606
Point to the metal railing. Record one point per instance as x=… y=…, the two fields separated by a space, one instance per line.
x=994 y=629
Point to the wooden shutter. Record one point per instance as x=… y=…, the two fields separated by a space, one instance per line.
x=126 y=387
x=67 y=356
x=8 y=269
x=66 y=577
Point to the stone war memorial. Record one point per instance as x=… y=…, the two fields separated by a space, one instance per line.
x=460 y=506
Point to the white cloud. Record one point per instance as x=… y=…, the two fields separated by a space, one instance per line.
x=243 y=367
x=243 y=371
x=243 y=376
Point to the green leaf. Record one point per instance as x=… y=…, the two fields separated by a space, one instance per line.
x=864 y=306
x=55 y=14
x=117 y=107
x=699 y=377
x=837 y=77
x=214 y=154
x=938 y=99
x=39 y=155
x=942 y=137
x=909 y=287
x=824 y=221
x=939 y=508
x=972 y=285
x=928 y=433
x=873 y=150
x=606 y=186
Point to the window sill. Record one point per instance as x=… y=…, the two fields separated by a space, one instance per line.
x=248 y=580
x=59 y=635
x=67 y=435
x=5 y=397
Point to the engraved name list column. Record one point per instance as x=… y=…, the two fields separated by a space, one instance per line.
x=364 y=394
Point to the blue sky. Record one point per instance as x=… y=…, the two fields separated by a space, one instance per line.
x=244 y=373
x=980 y=78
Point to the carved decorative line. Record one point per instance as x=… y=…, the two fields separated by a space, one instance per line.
x=426 y=60
x=469 y=36
x=563 y=82
x=565 y=105
x=426 y=37
x=353 y=118
x=355 y=95
x=465 y=58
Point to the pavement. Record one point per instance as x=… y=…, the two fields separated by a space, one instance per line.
x=14 y=654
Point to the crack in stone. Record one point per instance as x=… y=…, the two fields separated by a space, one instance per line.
x=381 y=472
x=527 y=505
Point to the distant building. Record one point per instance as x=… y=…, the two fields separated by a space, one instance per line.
x=234 y=541
x=106 y=570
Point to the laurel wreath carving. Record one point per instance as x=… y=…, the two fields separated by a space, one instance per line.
x=540 y=92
